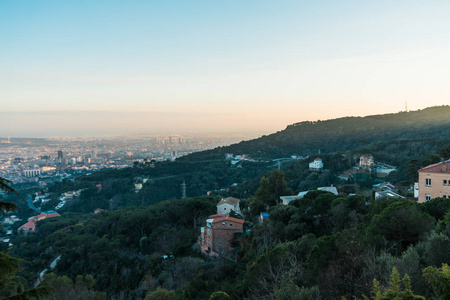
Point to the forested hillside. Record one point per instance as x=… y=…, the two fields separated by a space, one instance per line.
x=323 y=246
x=408 y=141
x=341 y=134
x=320 y=247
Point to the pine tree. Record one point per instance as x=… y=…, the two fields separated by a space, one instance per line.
x=394 y=291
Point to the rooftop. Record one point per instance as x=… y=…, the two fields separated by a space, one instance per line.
x=29 y=225
x=220 y=218
x=442 y=167
x=229 y=200
x=330 y=189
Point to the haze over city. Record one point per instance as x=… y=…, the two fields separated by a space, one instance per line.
x=108 y=68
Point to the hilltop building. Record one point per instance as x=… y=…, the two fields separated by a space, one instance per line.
x=216 y=236
x=434 y=181
x=316 y=165
x=225 y=206
x=30 y=226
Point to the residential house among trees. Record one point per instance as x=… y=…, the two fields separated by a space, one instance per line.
x=366 y=161
x=218 y=233
x=225 y=206
x=316 y=165
x=434 y=181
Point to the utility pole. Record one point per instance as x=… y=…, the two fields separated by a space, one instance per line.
x=183 y=190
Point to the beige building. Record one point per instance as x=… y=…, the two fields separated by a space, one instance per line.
x=366 y=161
x=434 y=181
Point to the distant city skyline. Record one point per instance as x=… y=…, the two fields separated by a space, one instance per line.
x=86 y=68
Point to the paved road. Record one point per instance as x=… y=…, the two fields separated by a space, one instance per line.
x=31 y=205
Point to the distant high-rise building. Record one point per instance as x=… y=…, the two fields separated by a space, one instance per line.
x=171 y=139
x=60 y=155
x=94 y=154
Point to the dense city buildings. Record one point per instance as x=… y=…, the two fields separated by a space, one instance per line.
x=38 y=160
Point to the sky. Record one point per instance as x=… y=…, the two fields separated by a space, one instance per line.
x=77 y=68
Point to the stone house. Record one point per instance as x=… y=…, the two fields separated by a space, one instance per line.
x=216 y=236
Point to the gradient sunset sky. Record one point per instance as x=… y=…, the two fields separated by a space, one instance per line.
x=114 y=67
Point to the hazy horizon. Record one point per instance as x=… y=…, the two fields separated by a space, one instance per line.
x=107 y=123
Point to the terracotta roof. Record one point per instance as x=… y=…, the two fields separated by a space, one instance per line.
x=29 y=225
x=217 y=215
x=229 y=200
x=221 y=218
x=442 y=167
x=55 y=214
x=49 y=214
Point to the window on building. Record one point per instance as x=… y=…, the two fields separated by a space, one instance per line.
x=427 y=197
x=209 y=241
x=220 y=243
x=209 y=231
x=445 y=181
x=428 y=182
x=231 y=224
x=224 y=208
x=223 y=224
x=445 y=196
